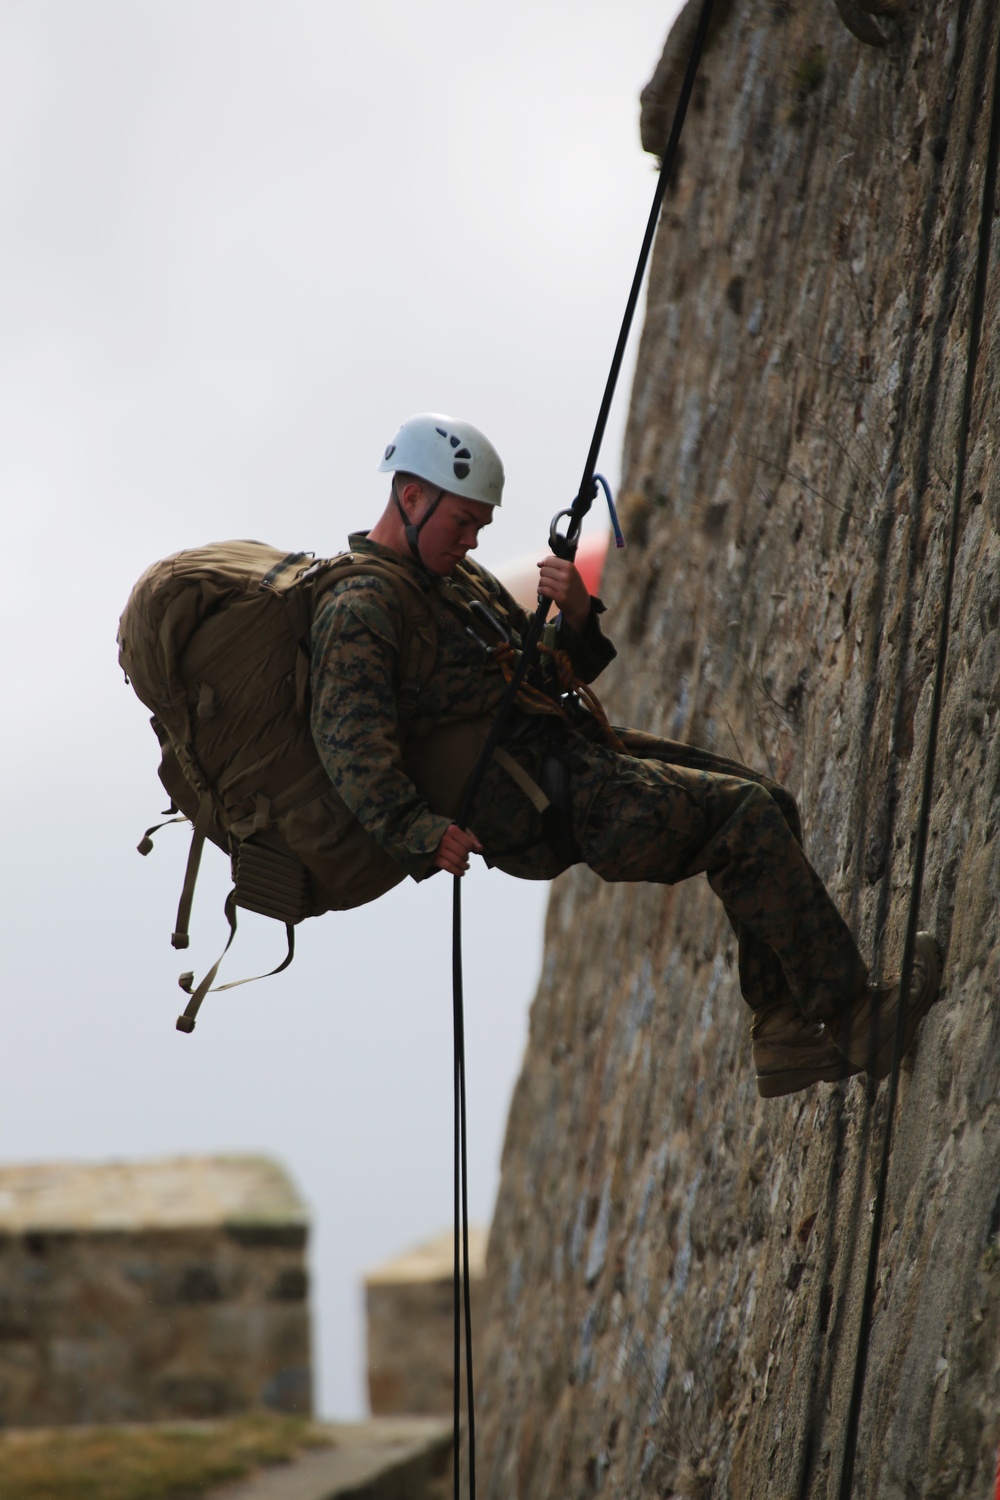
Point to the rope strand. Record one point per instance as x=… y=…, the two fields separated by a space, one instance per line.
x=462 y=1291
x=566 y=548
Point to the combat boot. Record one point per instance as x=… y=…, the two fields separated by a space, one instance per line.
x=790 y=1053
x=866 y=1032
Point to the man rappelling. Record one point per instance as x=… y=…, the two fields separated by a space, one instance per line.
x=562 y=787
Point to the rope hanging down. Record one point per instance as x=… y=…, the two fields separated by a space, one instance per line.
x=564 y=545
x=923 y=822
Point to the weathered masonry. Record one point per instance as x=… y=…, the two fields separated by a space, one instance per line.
x=676 y=1266
x=150 y=1290
x=409 y=1302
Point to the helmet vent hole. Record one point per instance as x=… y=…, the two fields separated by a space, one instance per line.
x=463 y=453
x=440 y=432
x=461 y=469
x=453 y=441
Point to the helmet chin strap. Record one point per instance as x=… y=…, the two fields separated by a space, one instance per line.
x=412 y=531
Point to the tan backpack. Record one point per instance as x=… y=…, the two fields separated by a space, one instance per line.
x=216 y=642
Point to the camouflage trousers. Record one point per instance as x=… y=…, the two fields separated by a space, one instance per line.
x=667 y=811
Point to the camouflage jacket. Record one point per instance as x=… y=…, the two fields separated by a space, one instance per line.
x=356 y=639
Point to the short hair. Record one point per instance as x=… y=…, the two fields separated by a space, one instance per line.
x=402 y=477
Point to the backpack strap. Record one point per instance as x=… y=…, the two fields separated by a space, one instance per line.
x=179 y=937
x=418 y=653
x=418 y=648
x=186 y=1020
x=529 y=786
x=145 y=844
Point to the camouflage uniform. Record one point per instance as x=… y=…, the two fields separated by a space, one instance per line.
x=661 y=813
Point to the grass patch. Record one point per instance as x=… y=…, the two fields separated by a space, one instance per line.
x=158 y=1461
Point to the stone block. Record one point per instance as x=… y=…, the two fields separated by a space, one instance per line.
x=148 y=1291
x=409 y=1304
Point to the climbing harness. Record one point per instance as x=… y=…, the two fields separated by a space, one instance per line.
x=540 y=702
x=924 y=817
x=564 y=545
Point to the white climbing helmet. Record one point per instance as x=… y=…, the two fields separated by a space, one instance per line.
x=455 y=456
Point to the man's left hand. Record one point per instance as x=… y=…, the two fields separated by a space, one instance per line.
x=454 y=850
x=559 y=580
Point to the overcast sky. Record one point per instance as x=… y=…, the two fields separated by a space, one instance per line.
x=239 y=242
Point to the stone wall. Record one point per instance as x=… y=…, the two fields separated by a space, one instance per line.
x=151 y=1290
x=409 y=1301
x=675 y=1266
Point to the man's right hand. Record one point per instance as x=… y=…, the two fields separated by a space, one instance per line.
x=454 y=850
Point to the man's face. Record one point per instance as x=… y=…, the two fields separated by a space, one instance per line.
x=452 y=531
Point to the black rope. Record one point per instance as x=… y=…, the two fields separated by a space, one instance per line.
x=923 y=821
x=461 y=1208
x=563 y=545
x=586 y=492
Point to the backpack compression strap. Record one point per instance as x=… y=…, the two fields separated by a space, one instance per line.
x=179 y=936
x=185 y=1021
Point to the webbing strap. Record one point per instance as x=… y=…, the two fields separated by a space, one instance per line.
x=145 y=844
x=234 y=984
x=529 y=786
x=273 y=574
x=185 y=1021
x=179 y=936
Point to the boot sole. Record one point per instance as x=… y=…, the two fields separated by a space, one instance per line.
x=881 y=1066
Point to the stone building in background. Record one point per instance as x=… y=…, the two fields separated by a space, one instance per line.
x=150 y=1290
x=410 y=1306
